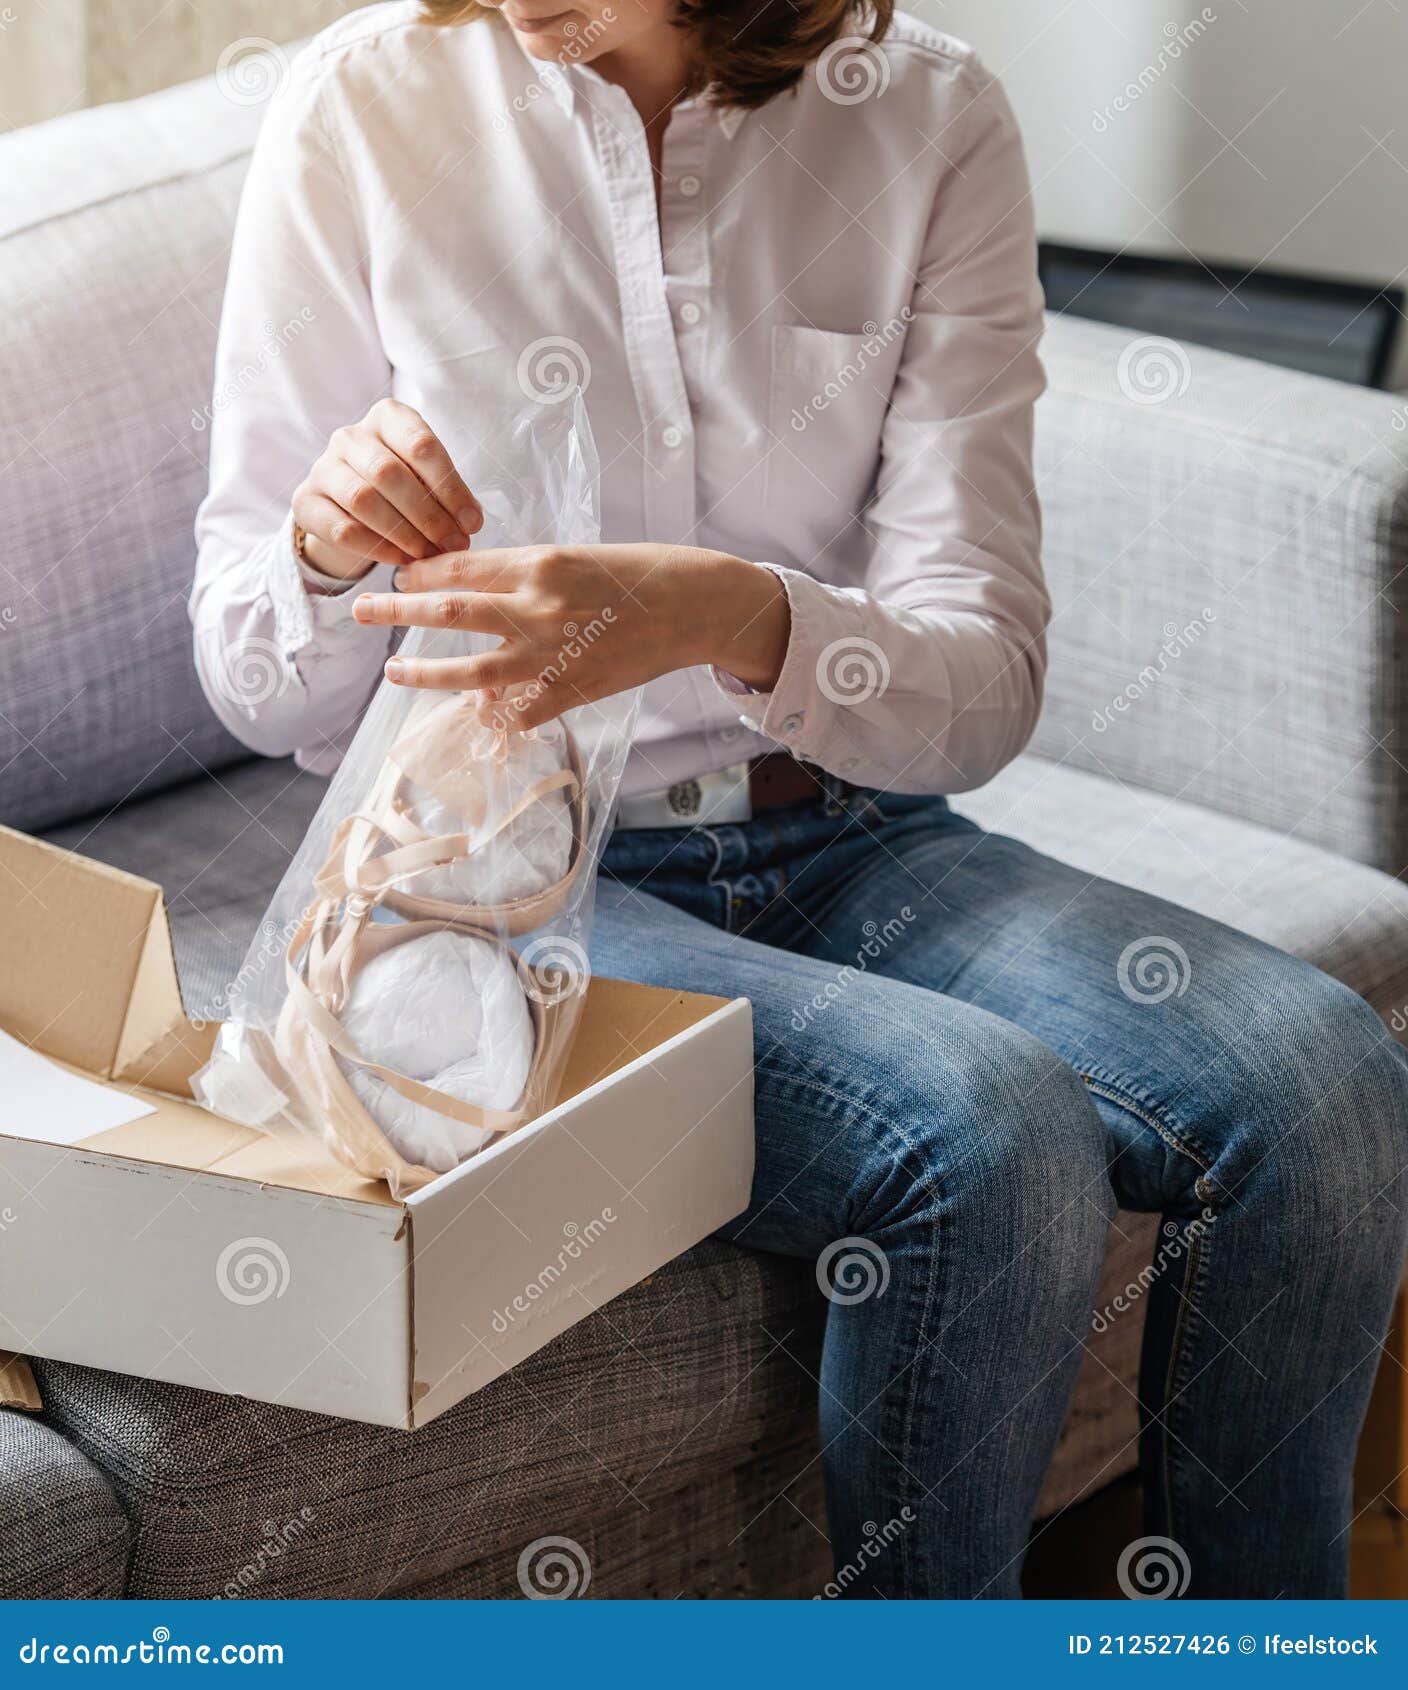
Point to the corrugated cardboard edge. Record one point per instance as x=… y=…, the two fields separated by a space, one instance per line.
x=17 y=1386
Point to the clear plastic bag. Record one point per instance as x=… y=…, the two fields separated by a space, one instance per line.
x=433 y=928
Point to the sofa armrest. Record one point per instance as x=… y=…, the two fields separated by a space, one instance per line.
x=1227 y=547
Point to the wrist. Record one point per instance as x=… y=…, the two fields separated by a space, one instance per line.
x=751 y=622
x=316 y=558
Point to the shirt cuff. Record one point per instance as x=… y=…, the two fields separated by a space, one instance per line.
x=301 y=618
x=794 y=712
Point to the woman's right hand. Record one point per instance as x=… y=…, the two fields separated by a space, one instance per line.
x=385 y=491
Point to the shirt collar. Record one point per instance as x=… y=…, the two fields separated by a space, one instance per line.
x=561 y=80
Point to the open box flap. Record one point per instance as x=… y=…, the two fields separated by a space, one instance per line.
x=86 y=970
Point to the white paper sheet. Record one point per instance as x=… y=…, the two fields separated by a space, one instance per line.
x=40 y=1100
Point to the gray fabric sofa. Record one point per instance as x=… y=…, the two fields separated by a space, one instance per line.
x=1258 y=774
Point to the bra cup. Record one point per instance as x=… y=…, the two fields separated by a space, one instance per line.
x=448 y=1009
x=532 y=853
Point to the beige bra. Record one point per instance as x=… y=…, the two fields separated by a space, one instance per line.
x=372 y=857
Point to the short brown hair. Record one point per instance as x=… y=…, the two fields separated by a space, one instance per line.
x=745 y=50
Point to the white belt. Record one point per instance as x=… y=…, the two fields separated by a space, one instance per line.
x=722 y=796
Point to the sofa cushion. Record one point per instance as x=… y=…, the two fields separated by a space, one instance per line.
x=1348 y=919
x=62 y=1532
x=699 y=1369
x=114 y=235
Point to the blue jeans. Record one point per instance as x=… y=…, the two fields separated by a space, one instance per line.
x=966 y=1054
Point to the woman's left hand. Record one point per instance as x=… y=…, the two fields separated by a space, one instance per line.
x=581 y=622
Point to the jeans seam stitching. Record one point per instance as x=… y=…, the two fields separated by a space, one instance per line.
x=1166 y=1134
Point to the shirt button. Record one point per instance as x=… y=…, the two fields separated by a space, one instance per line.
x=690 y=186
x=792 y=724
x=672 y=437
x=690 y=314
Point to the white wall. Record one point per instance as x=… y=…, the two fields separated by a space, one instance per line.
x=1275 y=135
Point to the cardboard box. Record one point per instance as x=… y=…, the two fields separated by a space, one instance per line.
x=186 y=1248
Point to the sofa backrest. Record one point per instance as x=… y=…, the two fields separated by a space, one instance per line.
x=114 y=235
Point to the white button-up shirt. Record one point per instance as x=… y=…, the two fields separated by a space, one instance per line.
x=821 y=354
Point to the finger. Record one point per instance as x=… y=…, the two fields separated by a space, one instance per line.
x=350 y=489
x=531 y=707
x=451 y=674
x=497 y=569
x=398 y=486
x=472 y=612
x=336 y=527
x=415 y=442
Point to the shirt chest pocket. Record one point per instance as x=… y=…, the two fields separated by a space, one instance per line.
x=828 y=399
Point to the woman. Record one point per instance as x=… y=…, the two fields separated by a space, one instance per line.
x=794 y=271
